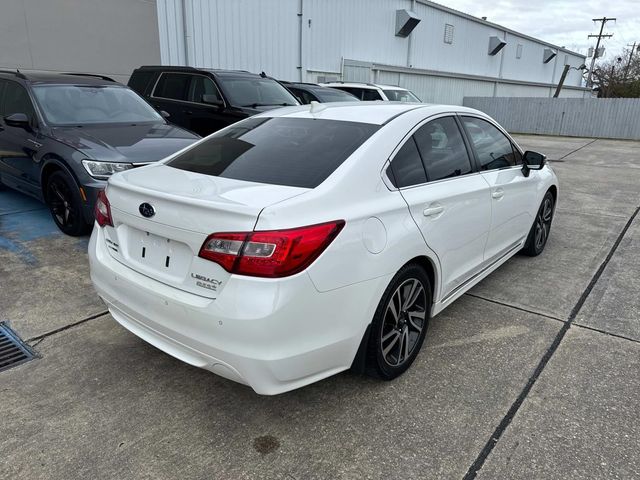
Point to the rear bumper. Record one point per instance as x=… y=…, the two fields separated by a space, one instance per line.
x=273 y=335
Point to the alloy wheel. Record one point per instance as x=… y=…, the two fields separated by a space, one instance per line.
x=543 y=224
x=404 y=320
x=61 y=203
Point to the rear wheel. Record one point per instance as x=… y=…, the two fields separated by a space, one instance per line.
x=65 y=204
x=400 y=323
x=539 y=233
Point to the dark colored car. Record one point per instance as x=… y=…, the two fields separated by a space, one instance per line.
x=205 y=101
x=312 y=92
x=63 y=135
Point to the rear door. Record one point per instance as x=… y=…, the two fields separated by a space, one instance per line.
x=449 y=202
x=170 y=93
x=513 y=196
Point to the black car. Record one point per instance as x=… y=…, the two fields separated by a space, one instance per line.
x=312 y=92
x=204 y=100
x=63 y=135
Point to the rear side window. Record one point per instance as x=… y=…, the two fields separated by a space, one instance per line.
x=140 y=80
x=442 y=149
x=174 y=86
x=493 y=148
x=406 y=167
x=297 y=152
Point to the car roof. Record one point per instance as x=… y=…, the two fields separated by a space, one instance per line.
x=362 y=85
x=183 y=69
x=375 y=112
x=34 y=76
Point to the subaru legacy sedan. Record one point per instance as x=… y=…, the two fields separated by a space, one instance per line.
x=305 y=241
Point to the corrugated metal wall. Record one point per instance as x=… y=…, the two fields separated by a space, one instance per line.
x=589 y=117
x=309 y=39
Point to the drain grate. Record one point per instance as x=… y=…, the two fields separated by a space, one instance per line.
x=13 y=351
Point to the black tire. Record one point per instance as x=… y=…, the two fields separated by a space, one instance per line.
x=65 y=204
x=541 y=228
x=397 y=324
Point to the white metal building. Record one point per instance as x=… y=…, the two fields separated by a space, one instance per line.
x=448 y=55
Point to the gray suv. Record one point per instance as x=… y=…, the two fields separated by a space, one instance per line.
x=62 y=135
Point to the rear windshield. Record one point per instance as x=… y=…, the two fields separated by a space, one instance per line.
x=297 y=152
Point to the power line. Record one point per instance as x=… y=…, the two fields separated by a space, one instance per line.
x=600 y=36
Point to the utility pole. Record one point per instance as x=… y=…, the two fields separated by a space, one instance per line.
x=600 y=36
x=626 y=70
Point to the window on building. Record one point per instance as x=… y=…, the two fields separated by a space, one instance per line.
x=448 y=33
x=442 y=149
x=519 y=51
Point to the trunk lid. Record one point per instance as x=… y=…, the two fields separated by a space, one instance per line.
x=187 y=207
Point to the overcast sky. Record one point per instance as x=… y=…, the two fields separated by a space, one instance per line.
x=561 y=22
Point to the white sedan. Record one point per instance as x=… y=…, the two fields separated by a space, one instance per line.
x=309 y=240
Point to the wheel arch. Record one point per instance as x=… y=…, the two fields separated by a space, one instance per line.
x=53 y=163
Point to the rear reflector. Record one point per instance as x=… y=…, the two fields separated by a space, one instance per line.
x=102 y=210
x=272 y=254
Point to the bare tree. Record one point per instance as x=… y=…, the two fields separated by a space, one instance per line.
x=620 y=76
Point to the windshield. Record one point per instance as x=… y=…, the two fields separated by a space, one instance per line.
x=298 y=152
x=401 y=96
x=255 y=92
x=84 y=104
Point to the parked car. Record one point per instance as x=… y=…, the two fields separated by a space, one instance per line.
x=312 y=92
x=371 y=91
x=303 y=241
x=203 y=100
x=63 y=135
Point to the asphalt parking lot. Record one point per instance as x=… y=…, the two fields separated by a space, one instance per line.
x=533 y=374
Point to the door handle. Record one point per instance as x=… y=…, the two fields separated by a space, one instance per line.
x=498 y=193
x=433 y=211
x=188 y=112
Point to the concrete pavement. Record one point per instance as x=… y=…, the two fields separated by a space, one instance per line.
x=100 y=403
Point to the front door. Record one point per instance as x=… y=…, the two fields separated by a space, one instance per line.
x=448 y=201
x=204 y=118
x=513 y=196
x=19 y=164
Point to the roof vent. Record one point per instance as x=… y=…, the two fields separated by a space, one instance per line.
x=406 y=21
x=548 y=55
x=495 y=44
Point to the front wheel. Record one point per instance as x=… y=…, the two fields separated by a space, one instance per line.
x=400 y=323
x=539 y=233
x=65 y=204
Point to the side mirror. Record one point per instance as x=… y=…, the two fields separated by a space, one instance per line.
x=164 y=114
x=211 y=99
x=19 y=120
x=532 y=161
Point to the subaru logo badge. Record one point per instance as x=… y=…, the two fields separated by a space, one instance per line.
x=147 y=210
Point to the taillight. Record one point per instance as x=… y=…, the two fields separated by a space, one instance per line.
x=102 y=210
x=274 y=253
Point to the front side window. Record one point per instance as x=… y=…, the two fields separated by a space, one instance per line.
x=174 y=86
x=16 y=100
x=296 y=152
x=493 y=148
x=334 y=95
x=255 y=92
x=201 y=85
x=89 y=104
x=406 y=167
x=401 y=96
x=442 y=149
x=370 y=94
